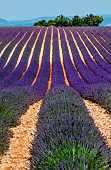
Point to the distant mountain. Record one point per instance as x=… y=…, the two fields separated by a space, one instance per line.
x=3 y=22
x=24 y=22
x=29 y=22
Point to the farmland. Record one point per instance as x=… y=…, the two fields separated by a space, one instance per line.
x=62 y=67
x=54 y=56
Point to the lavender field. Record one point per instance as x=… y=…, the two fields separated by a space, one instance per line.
x=62 y=66
x=43 y=58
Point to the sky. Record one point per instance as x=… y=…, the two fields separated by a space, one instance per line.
x=30 y=9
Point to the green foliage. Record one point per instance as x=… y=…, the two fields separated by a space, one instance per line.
x=76 y=20
x=41 y=23
x=13 y=104
x=100 y=94
x=67 y=138
x=62 y=21
x=81 y=155
x=51 y=22
x=89 y=20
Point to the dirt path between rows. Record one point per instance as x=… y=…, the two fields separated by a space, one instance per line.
x=18 y=155
x=102 y=120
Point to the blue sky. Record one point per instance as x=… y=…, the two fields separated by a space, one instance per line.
x=29 y=9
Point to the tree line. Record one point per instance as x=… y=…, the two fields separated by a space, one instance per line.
x=89 y=20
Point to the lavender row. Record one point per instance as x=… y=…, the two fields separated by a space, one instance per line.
x=104 y=53
x=13 y=103
x=5 y=34
x=41 y=83
x=105 y=45
x=16 y=74
x=98 y=93
x=101 y=62
x=30 y=74
x=57 y=72
x=108 y=34
x=4 y=72
x=72 y=74
x=95 y=55
x=11 y=32
x=84 y=71
x=8 y=39
x=92 y=65
x=66 y=135
x=105 y=37
x=8 y=50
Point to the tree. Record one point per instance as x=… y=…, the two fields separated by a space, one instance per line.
x=76 y=20
x=51 y=23
x=92 y=20
x=62 y=21
x=97 y=20
x=41 y=23
x=89 y=20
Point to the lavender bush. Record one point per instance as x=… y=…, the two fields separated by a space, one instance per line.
x=13 y=103
x=66 y=136
x=99 y=93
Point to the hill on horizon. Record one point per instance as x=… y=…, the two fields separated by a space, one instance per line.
x=30 y=22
